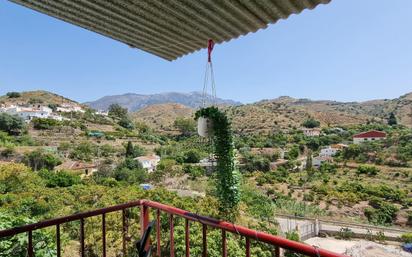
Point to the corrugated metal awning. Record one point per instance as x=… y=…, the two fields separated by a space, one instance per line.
x=171 y=28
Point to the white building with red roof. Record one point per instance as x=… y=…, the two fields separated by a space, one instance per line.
x=371 y=135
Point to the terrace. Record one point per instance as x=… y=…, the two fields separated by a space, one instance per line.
x=185 y=27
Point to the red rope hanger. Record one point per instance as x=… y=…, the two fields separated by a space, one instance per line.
x=210 y=45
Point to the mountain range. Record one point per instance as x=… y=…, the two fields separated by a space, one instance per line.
x=161 y=110
x=134 y=102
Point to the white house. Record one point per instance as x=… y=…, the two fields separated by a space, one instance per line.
x=67 y=107
x=28 y=113
x=318 y=160
x=311 y=132
x=371 y=135
x=328 y=151
x=149 y=162
x=101 y=112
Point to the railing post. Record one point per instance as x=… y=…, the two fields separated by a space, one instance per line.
x=158 y=232
x=30 y=244
x=104 y=234
x=172 y=237
x=144 y=222
x=124 y=231
x=187 y=238
x=82 y=237
x=58 y=240
x=224 y=248
x=204 y=235
x=247 y=247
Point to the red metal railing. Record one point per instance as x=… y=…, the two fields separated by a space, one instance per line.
x=145 y=205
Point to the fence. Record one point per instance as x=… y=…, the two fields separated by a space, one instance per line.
x=145 y=206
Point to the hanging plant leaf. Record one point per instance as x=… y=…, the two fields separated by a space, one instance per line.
x=228 y=177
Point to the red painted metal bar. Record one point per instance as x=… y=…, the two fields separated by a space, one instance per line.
x=78 y=216
x=82 y=253
x=243 y=231
x=224 y=247
x=187 y=238
x=30 y=244
x=104 y=234
x=247 y=247
x=158 y=233
x=144 y=223
x=124 y=232
x=276 y=241
x=204 y=236
x=58 y=240
x=172 y=237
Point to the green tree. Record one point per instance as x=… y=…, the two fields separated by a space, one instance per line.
x=116 y=111
x=392 y=119
x=192 y=156
x=13 y=94
x=40 y=159
x=126 y=123
x=311 y=123
x=129 y=149
x=11 y=124
x=309 y=161
x=186 y=126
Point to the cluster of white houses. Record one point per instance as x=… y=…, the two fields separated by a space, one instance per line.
x=28 y=112
x=326 y=154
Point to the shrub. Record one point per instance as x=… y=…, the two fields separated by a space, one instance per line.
x=40 y=159
x=191 y=156
x=45 y=123
x=369 y=170
x=382 y=212
x=194 y=171
x=345 y=233
x=308 y=197
x=407 y=238
x=59 y=178
x=11 y=124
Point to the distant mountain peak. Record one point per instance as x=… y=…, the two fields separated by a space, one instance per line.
x=134 y=102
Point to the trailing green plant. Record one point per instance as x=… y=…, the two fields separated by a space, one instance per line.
x=228 y=176
x=345 y=233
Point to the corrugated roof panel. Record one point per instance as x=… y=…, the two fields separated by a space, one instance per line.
x=171 y=28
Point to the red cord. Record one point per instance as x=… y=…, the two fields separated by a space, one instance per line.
x=210 y=45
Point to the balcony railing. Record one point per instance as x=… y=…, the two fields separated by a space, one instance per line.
x=145 y=207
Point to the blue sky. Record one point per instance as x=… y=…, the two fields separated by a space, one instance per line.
x=349 y=50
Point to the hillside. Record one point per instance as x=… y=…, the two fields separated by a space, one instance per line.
x=285 y=112
x=135 y=102
x=36 y=97
x=162 y=116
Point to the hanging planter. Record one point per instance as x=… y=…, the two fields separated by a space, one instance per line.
x=204 y=126
x=214 y=124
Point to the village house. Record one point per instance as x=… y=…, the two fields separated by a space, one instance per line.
x=27 y=113
x=67 y=107
x=149 y=162
x=86 y=168
x=318 y=160
x=332 y=150
x=371 y=135
x=311 y=132
x=328 y=151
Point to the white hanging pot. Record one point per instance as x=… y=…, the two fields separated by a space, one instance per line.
x=204 y=126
